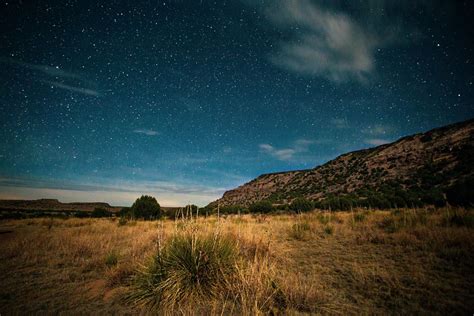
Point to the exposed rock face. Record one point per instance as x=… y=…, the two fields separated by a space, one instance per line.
x=437 y=158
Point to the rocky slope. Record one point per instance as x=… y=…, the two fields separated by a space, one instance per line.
x=429 y=161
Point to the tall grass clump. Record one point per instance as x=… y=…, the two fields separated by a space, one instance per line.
x=458 y=218
x=187 y=269
x=299 y=230
x=111 y=259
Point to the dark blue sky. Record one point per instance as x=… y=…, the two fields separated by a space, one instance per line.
x=106 y=100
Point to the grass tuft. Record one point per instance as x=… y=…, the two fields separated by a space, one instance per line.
x=299 y=231
x=111 y=259
x=188 y=269
x=328 y=230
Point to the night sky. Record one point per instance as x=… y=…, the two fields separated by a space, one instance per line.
x=106 y=100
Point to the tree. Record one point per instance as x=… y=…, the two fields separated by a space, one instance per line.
x=301 y=205
x=125 y=212
x=461 y=192
x=261 y=207
x=100 y=212
x=146 y=207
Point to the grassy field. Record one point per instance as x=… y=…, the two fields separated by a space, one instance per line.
x=364 y=262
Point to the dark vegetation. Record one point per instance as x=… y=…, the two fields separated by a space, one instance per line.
x=145 y=207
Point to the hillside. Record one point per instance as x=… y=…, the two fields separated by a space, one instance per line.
x=425 y=168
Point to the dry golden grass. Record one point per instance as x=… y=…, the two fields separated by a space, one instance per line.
x=362 y=262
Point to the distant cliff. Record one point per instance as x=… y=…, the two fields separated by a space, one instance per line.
x=53 y=205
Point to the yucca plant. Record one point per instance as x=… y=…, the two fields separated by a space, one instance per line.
x=189 y=268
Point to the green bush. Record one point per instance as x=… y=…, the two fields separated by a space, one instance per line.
x=328 y=230
x=125 y=212
x=301 y=205
x=261 y=207
x=359 y=217
x=461 y=193
x=146 y=207
x=187 y=269
x=299 y=230
x=122 y=221
x=99 y=212
x=459 y=219
x=111 y=259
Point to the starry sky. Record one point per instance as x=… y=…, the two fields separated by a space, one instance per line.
x=108 y=100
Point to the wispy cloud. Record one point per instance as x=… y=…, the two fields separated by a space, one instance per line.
x=336 y=40
x=148 y=132
x=63 y=79
x=379 y=129
x=340 y=123
x=286 y=154
x=326 y=43
x=48 y=70
x=376 y=141
x=61 y=85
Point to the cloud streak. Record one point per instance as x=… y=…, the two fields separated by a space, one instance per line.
x=287 y=154
x=147 y=132
x=63 y=86
x=75 y=81
x=376 y=141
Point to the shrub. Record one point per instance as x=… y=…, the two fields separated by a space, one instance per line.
x=324 y=218
x=359 y=217
x=328 y=230
x=187 y=269
x=125 y=212
x=99 y=212
x=146 y=207
x=122 y=221
x=459 y=219
x=299 y=230
x=301 y=205
x=461 y=193
x=389 y=224
x=261 y=207
x=111 y=259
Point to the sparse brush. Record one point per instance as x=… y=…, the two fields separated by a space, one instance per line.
x=389 y=224
x=359 y=217
x=324 y=218
x=299 y=230
x=111 y=259
x=188 y=269
x=122 y=221
x=328 y=230
x=458 y=218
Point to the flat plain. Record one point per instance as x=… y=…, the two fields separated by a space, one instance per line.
x=361 y=262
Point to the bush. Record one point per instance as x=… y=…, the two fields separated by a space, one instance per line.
x=111 y=259
x=125 y=212
x=301 y=205
x=359 y=217
x=99 y=212
x=188 y=269
x=146 y=207
x=459 y=219
x=299 y=230
x=328 y=230
x=461 y=193
x=122 y=221
x=261 y=207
